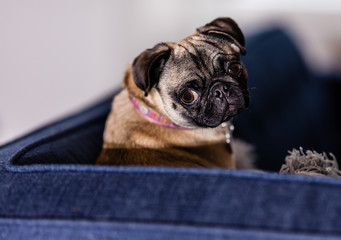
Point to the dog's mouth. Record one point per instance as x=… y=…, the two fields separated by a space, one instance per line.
x=214 y=118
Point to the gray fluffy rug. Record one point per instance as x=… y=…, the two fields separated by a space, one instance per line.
x=310 y=163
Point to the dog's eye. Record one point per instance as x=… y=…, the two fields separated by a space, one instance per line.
x=188 y=96
x=234 y=69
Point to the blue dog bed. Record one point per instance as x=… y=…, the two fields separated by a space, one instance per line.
x=51 y=189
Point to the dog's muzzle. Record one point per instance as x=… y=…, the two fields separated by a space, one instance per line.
x=225 y=100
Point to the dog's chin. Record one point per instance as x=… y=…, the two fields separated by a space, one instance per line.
x=214 y=120
x=211 y=122
x=205 y=122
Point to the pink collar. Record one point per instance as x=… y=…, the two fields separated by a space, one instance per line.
x=152 y=115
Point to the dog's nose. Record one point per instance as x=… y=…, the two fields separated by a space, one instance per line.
x=220 y=90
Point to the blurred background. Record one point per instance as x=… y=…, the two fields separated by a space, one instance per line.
x=59 y=56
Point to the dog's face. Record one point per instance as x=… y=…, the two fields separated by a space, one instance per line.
x=200 y=80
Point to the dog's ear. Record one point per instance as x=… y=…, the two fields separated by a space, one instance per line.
x=227 y=29
x=148 y=66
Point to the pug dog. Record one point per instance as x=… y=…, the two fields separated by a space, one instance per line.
x=178 y=101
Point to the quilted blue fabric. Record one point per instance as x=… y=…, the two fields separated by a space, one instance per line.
x=50 y=189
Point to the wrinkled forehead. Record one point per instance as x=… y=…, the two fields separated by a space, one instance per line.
x=208 y=46
x=200 y=55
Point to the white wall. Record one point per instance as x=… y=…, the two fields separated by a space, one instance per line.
x=58 y=56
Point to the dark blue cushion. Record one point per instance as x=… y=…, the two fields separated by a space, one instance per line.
x=290 y=106
x=76 y=140
x=50 y=189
